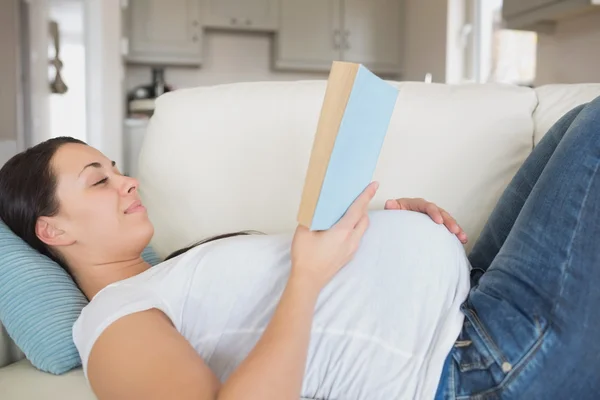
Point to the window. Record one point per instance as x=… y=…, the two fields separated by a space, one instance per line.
x=486 y=51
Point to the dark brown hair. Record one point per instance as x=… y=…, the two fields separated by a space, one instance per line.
x=211 y=239
x=28 y=191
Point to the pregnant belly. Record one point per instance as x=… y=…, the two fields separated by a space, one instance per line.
x=380 y=321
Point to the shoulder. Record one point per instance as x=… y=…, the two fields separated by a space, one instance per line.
x=108 y=306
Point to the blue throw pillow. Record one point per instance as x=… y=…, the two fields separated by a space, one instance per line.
x=39 y=303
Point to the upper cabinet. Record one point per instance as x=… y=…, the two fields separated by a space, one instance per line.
x=542 y=15
x=163 y=32
x=257 y=15
x=372 y=34
x=309 y=36
x=314 y=33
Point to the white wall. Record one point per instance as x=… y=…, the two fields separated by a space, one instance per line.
x=455 y=55
x=39 y=88
x=9 y=67
x=104 y=77
x=8 y=148
x=426 y=39
x=572 y=53
x=229 y=57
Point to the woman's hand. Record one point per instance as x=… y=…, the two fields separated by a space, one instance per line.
x=318 y=255
x=437 y=214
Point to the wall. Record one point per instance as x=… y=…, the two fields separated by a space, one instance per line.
x=455 y=54
x=38 y=88
x=426 y=39
x=9 y=67
x=572 y=53
x=105 y=98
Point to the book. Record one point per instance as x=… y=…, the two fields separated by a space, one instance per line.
x=354 y=120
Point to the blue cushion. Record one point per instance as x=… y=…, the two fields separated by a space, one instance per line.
x=39 y=303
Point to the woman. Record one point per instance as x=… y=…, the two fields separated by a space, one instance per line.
x=396 y=317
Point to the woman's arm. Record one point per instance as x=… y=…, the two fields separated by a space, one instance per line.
x=143 y=356
x=275 y=367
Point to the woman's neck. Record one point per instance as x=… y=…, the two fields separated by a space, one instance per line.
x=92 y=279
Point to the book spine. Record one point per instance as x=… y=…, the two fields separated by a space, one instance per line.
x=339 y=87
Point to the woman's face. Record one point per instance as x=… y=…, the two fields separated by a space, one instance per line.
x=101 y=218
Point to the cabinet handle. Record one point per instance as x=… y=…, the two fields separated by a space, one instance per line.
x=234 y=21
x=336 y=39
x=346 y=40
x=195 y=38
x=249 y=22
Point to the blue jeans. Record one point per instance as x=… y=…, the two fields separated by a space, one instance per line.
x=532 y=317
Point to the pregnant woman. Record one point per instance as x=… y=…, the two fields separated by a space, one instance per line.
x=385 y=305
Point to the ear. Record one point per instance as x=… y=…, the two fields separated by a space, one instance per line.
x=48 y=232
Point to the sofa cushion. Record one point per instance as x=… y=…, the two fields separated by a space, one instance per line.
x=9 y=352
x=232 y=157
x=39 y=303
x=23 y=381
x=556 y=100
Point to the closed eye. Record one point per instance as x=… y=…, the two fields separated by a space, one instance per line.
x=100 y=182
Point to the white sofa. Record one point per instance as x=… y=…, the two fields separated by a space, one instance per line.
x=230 y=157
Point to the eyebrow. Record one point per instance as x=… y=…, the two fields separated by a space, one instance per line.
x=95 y=165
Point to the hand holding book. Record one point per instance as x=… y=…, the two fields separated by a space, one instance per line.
x=318 y=255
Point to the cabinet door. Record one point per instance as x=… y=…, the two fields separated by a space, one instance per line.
x=309 y=35
x=242 y=14
x=515 y=7
x=165 y=32
x=373 y=34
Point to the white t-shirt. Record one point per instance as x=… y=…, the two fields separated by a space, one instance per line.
x=382 y=327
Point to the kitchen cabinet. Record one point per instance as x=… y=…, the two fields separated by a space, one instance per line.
x=372 y=34
x=542 y=15
x=163 y=32
x=522 y=6
x=309 y=36
x=253 y=15
x=314 y=33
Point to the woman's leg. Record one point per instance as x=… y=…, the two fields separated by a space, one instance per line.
x=511 y=202
x=532 y=324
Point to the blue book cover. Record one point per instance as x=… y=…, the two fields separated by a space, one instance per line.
x=367 y=106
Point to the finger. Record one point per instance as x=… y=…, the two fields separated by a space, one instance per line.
x=361 y=227
x=359 y=206
x=434 y=213
x=451 y=223
x=423 y=206
x=392 y=205
x=462 y=236
x=415 y=204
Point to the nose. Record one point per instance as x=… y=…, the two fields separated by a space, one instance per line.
x=129 y=185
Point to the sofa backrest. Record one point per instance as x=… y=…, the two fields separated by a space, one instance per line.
x=233 y=157
x=556 y=100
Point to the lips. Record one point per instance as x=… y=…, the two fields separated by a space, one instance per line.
x=136 y=206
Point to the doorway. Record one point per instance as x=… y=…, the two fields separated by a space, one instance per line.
x=66 y=50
